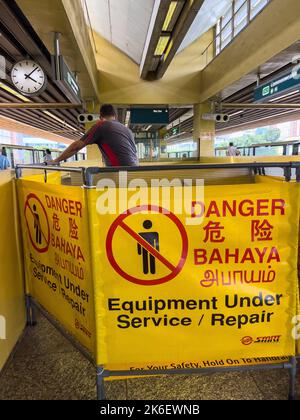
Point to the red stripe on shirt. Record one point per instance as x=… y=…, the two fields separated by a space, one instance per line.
x=113 y=158
x=90 y=135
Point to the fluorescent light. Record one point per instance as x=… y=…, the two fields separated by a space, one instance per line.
x=13 y=92
x=236 y=113
x=148 y=128
x=127 y=119
x=170 y=14
x=54 y=117
x=284 y=96
x=162 y=44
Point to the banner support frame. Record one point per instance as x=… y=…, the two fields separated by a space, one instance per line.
x=293 y=378
x=101 y=395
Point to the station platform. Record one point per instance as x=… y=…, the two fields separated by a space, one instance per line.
x=45 y=366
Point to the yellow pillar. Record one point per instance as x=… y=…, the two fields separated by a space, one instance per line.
x=93 y=152
x=204 y=131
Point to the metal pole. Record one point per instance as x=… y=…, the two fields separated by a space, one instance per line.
x=30 y=312
x=259 y=106
x=288 y=174
x=57 y=54
x=18 y=173
x=100 y=384
x=293 y=374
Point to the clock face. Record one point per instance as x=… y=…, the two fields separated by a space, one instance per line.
x=28 y=77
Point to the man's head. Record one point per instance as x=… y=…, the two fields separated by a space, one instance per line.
x=108 y=112
x=231 y=144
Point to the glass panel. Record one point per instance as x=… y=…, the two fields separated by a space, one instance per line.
x=218 y=45
x=227 y=17
x=238 y=4
x=269 y=151
x=240 y=19
x=218 y=27
x=257 y=6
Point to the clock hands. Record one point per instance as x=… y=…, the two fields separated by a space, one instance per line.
x=27 y=76
x=31 y=79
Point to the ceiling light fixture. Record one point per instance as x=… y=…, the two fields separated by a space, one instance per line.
x=54 y=117
x=127 y=119
x=284 y=96
x=170 y=15
x=237 y=113
x=162 y=44
x=13 y=92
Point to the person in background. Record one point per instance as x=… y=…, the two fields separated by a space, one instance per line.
x=232 y=150
x=4 y=162
x=48 y=156
x=115 y=141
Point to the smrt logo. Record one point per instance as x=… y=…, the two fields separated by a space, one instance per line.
x=246 y=341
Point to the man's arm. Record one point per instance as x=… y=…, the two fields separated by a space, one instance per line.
x=69 y=152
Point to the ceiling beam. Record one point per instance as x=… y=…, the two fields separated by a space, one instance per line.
x=38 y=105
x=159 y=14
x=169 y=22
x=185 y=20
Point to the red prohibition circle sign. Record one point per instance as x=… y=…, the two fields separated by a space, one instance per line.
x=119 y=222
x=47 y=237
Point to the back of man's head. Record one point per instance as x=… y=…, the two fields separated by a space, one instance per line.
x=231 y=144
x=108 y=112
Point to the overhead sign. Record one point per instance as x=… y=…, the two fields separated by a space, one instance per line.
x=150 y=116
x=171 y=294
x=175 y=131
x=278 y=86
x=66 y=80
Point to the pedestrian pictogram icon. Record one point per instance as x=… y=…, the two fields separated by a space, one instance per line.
x=153 y=239
x=139 y=248
x=37 y=223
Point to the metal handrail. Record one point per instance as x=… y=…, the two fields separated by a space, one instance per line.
x=286 y=166
x=46 y=168
x=88 y=173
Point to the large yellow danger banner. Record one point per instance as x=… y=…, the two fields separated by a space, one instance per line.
x=174 y=293
x=57 y=257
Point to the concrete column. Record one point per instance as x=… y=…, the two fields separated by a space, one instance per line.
x=204 y=131
x=93 y=152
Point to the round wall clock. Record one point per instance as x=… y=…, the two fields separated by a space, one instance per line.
x=28 y=77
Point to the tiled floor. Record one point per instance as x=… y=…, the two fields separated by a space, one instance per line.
x=46 y=367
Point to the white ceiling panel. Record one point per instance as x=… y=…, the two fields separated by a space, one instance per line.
x=124 y=23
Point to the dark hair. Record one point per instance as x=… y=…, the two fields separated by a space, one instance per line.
x=231 y=144
x=107 y=111
x=4 y=153
x=48 y=151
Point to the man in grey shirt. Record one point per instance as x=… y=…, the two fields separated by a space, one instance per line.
x=115 y=141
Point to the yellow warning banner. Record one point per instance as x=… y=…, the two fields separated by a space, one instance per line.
x=57 y=258
x=297 y=325
x=12 y=293
x=214 y=285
